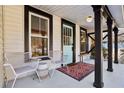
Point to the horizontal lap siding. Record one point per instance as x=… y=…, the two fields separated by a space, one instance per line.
x=14 y=30
x=56 y=37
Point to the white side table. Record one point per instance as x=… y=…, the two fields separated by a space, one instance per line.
x=43 y=69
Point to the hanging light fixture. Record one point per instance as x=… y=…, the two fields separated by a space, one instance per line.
x=89 y=19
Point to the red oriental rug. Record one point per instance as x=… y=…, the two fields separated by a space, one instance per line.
x=77 y=71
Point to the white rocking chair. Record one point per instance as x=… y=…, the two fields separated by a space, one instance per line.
x=22 y=70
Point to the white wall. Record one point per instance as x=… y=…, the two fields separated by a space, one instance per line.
x=14 y=30
x=56 y=33
x=56 y=37
x=13 y=35
x=77 y=43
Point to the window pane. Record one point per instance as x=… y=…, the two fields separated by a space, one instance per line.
x=43 y=27
x=39 y=46
x=67 y=36
x=83 y=41
x=39 y=26
x=34 y=25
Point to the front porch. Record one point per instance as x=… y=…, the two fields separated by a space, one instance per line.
x=40 y=30
x=60 y=80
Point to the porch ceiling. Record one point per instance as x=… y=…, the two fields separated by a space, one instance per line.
x=117 y=12
x=73 y=13
x=78 y=13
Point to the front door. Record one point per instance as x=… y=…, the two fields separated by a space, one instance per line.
x=68 y=43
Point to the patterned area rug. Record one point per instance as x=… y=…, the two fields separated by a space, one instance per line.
x=77 y=71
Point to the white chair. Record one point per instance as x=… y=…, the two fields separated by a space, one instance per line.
x=58 y=59
x=22 y=70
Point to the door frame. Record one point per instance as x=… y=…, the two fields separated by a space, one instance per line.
x=66 y=22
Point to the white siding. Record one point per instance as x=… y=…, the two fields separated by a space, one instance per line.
x=1 y=50
x=77 y=42
x=56 y=33
x=14 y=30
x=56 y=37
x=13 y=34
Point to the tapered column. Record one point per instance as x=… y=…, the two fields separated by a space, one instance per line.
x=98 y=82
x=116 y=44
x=109 y=25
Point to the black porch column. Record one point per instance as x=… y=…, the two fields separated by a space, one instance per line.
x=109 y=25
x=116 y=44
x=98 y=49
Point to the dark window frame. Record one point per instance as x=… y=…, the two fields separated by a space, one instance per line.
x=87 y=41
x=28 y=9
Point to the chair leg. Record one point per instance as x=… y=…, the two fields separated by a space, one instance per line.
x=49 y=74
x=6 y=83
x=67 y=68
x=14 y=82
x=52 y=73
x=54 y=68
x=38 y=75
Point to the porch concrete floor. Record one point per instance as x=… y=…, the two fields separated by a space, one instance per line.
x=59 y=80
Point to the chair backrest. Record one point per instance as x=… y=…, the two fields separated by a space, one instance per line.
x=17 y=59
x=64 y=58
x=7 y=65
x=34 y=64
x=57 y=55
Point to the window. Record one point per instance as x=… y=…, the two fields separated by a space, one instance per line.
x=39 y=35
x=67 y=35
x=83 y=41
